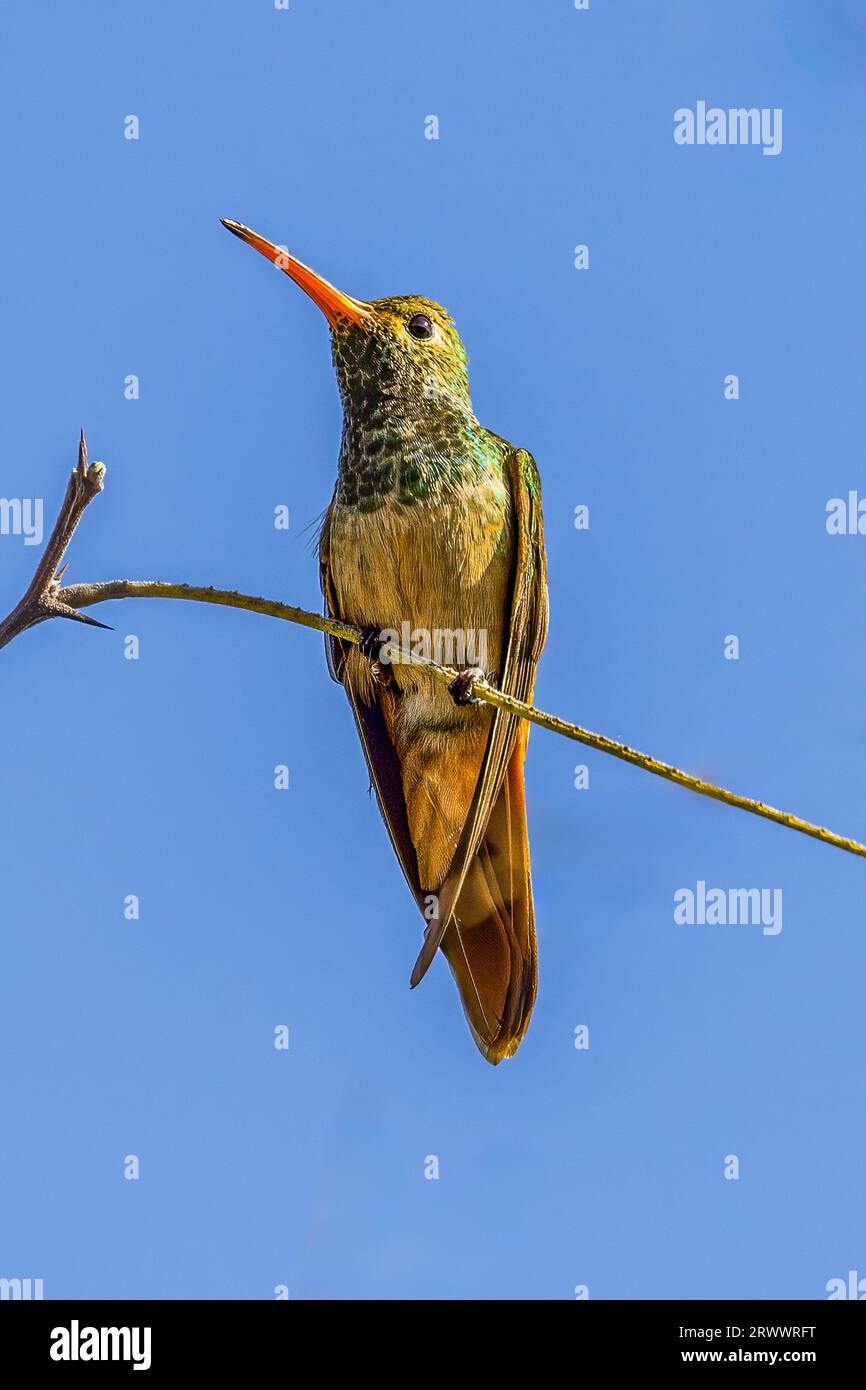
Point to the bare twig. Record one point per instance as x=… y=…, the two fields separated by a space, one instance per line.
x=45 y=599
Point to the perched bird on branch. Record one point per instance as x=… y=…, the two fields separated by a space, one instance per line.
x=435 y=533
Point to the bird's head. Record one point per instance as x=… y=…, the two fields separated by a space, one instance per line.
x=403 y=349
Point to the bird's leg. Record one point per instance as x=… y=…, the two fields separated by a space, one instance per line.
x=462 y=688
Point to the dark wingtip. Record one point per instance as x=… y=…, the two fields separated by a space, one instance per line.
x=425 y=956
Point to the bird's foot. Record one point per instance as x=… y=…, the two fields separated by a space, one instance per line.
x=371 y=642
x=462 y=688
x=370 y=646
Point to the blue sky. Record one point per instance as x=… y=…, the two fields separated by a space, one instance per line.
x=601 y=1167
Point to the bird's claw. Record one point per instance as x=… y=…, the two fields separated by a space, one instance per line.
x=462 y=688
x=370 y=643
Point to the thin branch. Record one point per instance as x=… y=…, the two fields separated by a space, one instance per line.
x=45 y=599
x=82 y=595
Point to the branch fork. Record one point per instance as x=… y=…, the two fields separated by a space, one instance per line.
x=44 y=597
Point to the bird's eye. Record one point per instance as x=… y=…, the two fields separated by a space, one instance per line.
x=420 y=326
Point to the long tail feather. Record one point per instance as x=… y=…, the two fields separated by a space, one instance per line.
x=490 y=944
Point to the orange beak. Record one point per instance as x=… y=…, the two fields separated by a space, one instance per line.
x=337 y=307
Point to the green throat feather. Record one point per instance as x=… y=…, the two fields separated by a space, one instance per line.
x=409 y=430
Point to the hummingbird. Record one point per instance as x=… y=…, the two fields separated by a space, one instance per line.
x=435 y=527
